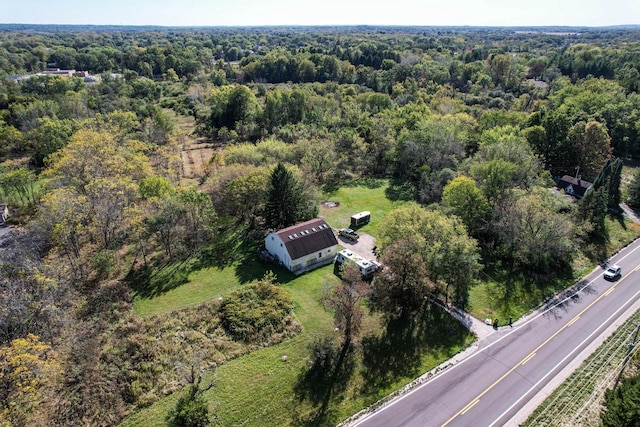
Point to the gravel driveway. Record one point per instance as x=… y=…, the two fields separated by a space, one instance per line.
x=363 y=247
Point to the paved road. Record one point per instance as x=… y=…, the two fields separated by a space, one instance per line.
x=492 y=385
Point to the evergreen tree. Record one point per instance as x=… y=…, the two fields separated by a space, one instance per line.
x=614 y=184
x=609 y=178
x=592 y=209
x=287 y=200
x=633 y=191
x=622 y=405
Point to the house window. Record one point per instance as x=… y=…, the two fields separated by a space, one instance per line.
x=271 y=237
x=320 y=254
x=280 y=244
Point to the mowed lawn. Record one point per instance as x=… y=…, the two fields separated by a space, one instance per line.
x=180 y=290
x=202 y=285
x=487 y=299
x=371 y=197
x=258 y=389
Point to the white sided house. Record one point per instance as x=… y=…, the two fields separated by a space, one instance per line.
x=303 y=246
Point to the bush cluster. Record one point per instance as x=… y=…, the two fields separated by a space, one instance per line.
x=257 y=313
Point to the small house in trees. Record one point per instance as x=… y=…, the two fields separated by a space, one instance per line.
x=303 y=246
x=575 y=187
x=4 y=213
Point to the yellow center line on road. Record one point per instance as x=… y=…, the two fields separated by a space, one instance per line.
x=470 y=405
x=527 y=359
x=575 y=319
x=530 y=355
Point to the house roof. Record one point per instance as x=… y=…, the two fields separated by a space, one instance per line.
x=307 y=237
x=575 y=186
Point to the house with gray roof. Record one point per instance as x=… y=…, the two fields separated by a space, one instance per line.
x=303 y=246
x=4 y=213
x=575 y=187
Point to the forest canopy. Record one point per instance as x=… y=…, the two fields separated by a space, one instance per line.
x=134 y=157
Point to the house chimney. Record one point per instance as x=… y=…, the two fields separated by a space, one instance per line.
x=579 y=180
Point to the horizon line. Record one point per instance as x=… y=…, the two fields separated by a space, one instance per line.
x=324 y=25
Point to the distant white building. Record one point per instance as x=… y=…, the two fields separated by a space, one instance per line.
x=4 y=213
x=303 y=246
x=575 y=187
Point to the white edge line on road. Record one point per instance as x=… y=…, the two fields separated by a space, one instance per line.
x=597 y=331
x=395 y=400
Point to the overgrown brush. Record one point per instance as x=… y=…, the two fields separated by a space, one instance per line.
x=135 y=361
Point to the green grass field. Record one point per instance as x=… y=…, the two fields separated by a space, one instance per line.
x=176 y=286
x=199 y=286
x=371 y=195
x=256 y=388
x=259 y=389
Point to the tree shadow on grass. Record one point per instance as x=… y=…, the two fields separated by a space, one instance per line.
x=398 y=352
x=232 y=242
x=400 y=191
x=149 y=282
x=596 y=251
x=618 y=216
x=371 y=183
x=512 y=291
x=239 y=245
x=323 y=382
x=250 y=269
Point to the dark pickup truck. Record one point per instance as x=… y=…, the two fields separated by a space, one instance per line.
x=348 y=234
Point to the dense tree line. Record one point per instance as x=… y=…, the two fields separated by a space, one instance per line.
x=469 y=126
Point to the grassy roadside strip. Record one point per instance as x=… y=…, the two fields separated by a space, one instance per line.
x=490 y=298
x=578 y=400
x=260 y=388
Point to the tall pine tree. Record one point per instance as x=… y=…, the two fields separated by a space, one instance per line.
x=609 y=178
x=288 y=201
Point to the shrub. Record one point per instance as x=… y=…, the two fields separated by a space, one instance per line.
x=190 y=411
x=256 y=312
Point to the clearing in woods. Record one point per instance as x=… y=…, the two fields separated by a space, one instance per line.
x=195 y=153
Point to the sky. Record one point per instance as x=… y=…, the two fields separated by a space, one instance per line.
x=326 y=12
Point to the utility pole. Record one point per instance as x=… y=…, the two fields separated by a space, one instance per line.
x=628 y=356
